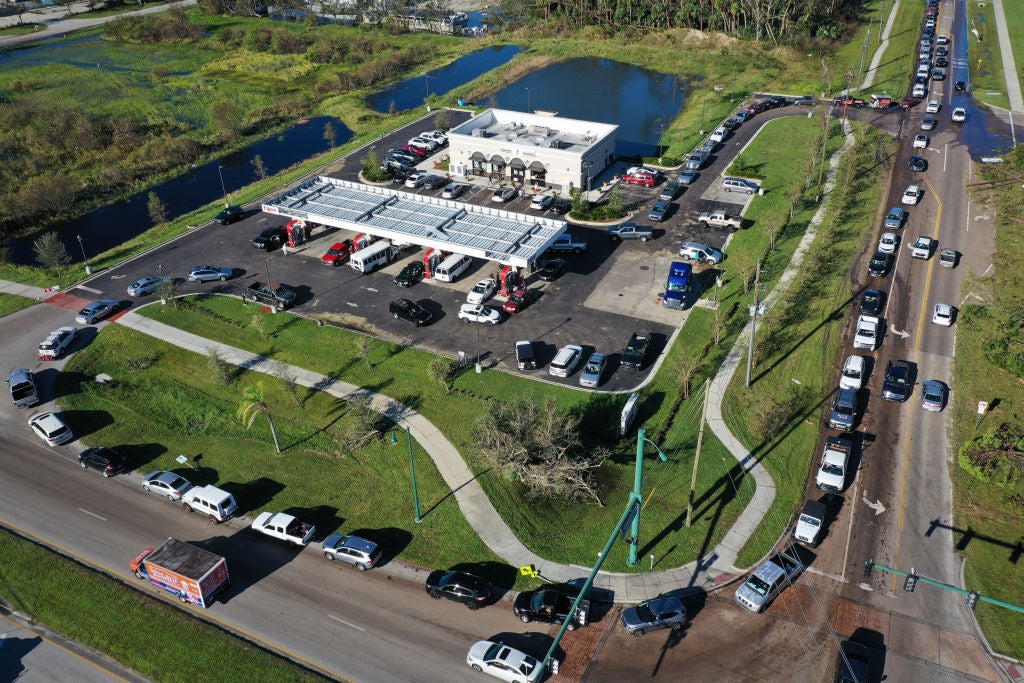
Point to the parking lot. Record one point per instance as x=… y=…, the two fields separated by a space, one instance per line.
x=606 y=293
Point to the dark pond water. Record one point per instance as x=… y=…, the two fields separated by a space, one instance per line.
x=113 y=224
x=639 y=101
x=983 y=133
x=412 y=92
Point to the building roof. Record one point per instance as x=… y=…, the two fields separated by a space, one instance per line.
x=542 y=131
x=482 y=231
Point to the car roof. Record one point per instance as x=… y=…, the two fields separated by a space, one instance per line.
x=665 y=604
x=814 y=508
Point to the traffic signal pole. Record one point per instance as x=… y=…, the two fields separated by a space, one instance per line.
x=912 y=579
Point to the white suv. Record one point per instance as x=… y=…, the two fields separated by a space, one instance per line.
x=359 y=552
x=216 y=503
x=565 y=361
x=51 y=428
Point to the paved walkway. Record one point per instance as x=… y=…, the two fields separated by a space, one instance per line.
x=27 y=291
x=876 y=59
x=1013 y=91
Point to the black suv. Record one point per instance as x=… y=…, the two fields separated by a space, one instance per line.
x=101 y=459
x=271 y=238
x=230 y=214
x=410 y=274
x=470 y=590
x=409 y=310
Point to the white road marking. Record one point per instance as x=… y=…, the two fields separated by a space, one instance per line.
x=876 y=506
x=849 y=530
x=865 y=587
x=93 y=514
x=371 y=289
x=819 y=572
x=347 y=623
x=89 y=289
x=352 y=304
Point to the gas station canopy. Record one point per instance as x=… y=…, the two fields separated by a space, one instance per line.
x=486 y=232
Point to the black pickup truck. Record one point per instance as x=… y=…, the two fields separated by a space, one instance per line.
x=635 y=354
x=551 y=605
x=278 y=296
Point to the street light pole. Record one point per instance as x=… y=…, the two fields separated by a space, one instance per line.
x=412 y=469
x=223 y=187
x=479 y=369
x=427 y=78
x=637 y=495
x=85 y=259
x=527 y=100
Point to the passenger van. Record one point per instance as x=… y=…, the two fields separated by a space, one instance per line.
x=739 y=185
x=452 y=267
x=375 y=256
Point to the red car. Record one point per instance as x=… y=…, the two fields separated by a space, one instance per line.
x=908 y=102
x=418 y=151
x=757 y=107
x=337 y=254
x=645 y=179
x=518 y=300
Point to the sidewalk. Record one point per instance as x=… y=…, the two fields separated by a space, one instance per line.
x=27 y=291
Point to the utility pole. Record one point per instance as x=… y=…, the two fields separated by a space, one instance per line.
x=755 y=309
x=696 y=457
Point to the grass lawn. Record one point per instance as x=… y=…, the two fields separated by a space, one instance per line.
x=988 y=82
x=900 y=58
x=778 y=417
x=1014 y=13
x=11 y=303
x=158 y=640
x=989 y=498
x=21 y=29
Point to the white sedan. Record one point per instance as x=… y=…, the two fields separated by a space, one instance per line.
x=477 y=313
x=959 y=115
x=888 y=242
x=920 y=141
x=501 y=661
x=933 y=107
x=482 y=291
x=942 y=314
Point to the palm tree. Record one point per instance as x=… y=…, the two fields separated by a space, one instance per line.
x=252 y=406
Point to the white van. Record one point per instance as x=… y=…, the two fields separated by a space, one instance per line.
x=211 y=501
x=452 y=267
x=375 y=256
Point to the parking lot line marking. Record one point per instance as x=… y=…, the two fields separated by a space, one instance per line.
x=347 y=623
x=92 y=514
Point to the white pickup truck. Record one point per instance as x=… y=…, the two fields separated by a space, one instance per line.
x=922 y=247
x=284 y=528
x=720 y=219
x=866 y=337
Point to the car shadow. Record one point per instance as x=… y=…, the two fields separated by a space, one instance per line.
x=138 y=456
x=501 y=576
x=86 y=422
x=253 y=495
x=251 y=557
x=324 y=517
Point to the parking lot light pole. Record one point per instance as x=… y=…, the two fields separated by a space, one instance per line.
x=223 y=187
x=479 y=368
x=527 y=100
x=412 y=469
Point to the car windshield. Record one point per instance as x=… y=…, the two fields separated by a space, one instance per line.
x=758 y=585
x=851 y=372
x=810 y=521
x=644 y=613
x=829 y=468
x=592 y=368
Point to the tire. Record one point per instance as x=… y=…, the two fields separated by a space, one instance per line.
x=643 y=239
x=182 y=599
x=616 y=238
x=138 y=574
x=107 y=475
x=639 y=632
x=465 y=320
x=676 y=627
x=82 y=463
x=187 y=507
x=223 y=278
x=214 y=520
x=170 y=497
x=750 y=192
x=329 y=556
x=577 y=250
x=492 y=323
x=396 y=315
x=571 y=626
x=145 y=488
x=711 y=262
x=472 y=606
x=704 y=225
x=434 y=594
x=525 y=618
x=727 y=190
x=361 y=567
x=476 y=667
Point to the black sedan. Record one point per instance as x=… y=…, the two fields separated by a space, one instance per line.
x=470 y=590
x=918 y=163
x=880 y=264
x=550 y=269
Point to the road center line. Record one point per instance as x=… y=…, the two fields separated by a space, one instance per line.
x=347 y=623
x=92 y=514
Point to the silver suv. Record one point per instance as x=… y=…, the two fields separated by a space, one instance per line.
x=359 y=552
x=701 y=253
